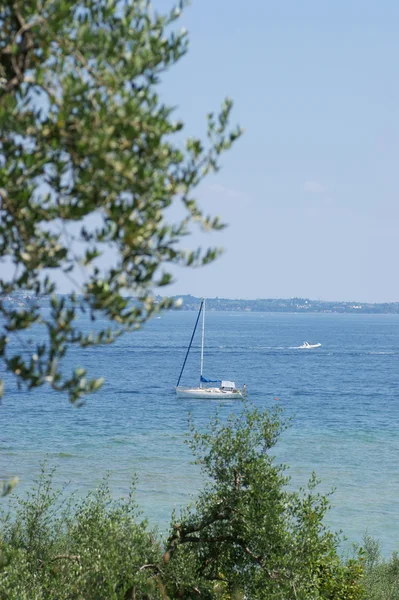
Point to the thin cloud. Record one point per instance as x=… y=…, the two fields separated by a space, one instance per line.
x=314 y=187
x=221 y=189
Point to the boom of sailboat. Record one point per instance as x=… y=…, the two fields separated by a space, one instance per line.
x=208 y=388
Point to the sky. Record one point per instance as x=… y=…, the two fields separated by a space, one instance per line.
x=310 y=192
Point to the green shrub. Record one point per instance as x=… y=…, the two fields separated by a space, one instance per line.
x=381 y=579
x=91 y=549
x=248 y=532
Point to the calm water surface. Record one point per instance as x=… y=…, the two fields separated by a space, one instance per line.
x=343 y=397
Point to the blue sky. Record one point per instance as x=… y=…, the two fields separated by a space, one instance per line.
x=310 y=191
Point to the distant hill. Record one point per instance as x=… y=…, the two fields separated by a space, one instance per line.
x=297 y=305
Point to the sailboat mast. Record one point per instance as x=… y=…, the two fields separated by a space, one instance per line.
x=202 y=340
x=189 y=346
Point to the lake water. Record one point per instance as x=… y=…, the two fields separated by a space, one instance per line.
x=343 y=399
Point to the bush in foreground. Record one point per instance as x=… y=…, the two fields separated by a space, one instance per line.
x=248 y=535
x=381 y=579
x=96 y=548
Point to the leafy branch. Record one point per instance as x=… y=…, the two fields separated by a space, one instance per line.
x=87 y=143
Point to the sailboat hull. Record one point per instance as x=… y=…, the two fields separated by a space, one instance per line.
x=208 y=393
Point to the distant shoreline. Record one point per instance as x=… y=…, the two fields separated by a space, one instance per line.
x=275 y=305
x=289 y=305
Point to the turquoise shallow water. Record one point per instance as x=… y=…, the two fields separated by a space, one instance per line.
x=343 y=399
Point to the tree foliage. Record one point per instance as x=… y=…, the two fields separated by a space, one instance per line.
x=90 y=160
x=93 y=549
x=249 y=535
x=381 y=579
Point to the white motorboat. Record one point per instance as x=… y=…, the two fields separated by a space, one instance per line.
x=307 y=345
x=225 y=389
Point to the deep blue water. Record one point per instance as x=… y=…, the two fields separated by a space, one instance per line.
x=343 y=399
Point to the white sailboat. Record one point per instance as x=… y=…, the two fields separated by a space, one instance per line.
x=223 y=391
